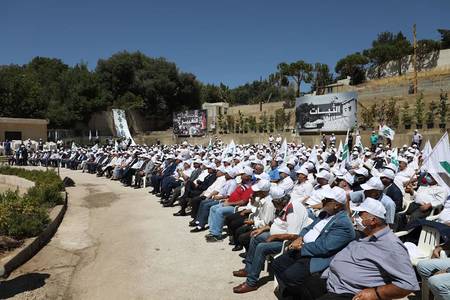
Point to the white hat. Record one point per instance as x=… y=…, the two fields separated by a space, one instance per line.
x=388 y=173
x=247 y=171
x=262 y=185
x=338 y=194
x=303 y=171
x=263 y=176
x=402 y=159
x=347 y=177
x=231 y=172
x=324 y=174
x=373 y=207
x=362 y=171
x=212 y=166
x=276 y=192
x=373 y=183
x=284 y=169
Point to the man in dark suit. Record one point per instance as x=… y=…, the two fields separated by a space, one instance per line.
x=196 y=189
x=317 y=243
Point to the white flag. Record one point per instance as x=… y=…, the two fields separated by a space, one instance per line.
x=74 y=147
x=340 y=149
x=358 y=142
x=438 y=163
x=427 y=150
x=283 y=150
x=90 y=135
x=345 y=155
x=231 y=149
x=387 y=132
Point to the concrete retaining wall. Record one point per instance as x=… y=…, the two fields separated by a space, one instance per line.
x=15 y=182
x=402 y=137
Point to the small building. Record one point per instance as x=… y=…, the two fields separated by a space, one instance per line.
x=22 y=129
x=213 y=110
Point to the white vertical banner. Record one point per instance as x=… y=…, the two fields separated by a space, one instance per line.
x=121 y=125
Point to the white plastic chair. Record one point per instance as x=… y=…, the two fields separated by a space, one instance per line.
x=428 y=240
x=407 y=200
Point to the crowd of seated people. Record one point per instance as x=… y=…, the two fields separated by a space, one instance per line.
x=326 y=225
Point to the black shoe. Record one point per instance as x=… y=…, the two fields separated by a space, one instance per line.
x=243 y=255
x=198 y=229
x=167 y=204
x=180 y=214
x=237 y=248
x=213 y=239
x=192 y=223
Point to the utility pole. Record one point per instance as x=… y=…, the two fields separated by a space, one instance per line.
x=415 y=58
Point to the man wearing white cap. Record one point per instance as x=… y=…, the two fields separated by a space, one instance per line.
x=391 y=189
x=374 y=267
x=426 y=198
x=263 y=211
x=374 y=188
x=317 y=243
x=269 y=239
x=285 y=181
x=222 y=194
x=239 y=197
x=302 y=188
x=315 y=200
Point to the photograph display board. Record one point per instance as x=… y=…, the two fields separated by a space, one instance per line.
x=189 y=123
x=330 y=112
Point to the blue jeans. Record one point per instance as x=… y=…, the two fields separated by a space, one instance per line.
x=203 y=211
x=256 y=255
x=217 y=214
x=439 y=284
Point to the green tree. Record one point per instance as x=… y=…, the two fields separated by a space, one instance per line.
x=352 y=65
x=321 y=77
x=406 y=116
x=426 y=51
x=392 y=114
x=300 y=71
x=431 y=113
x=445 y=38
x=388 y=47
x=419 y=110
x=443 y=107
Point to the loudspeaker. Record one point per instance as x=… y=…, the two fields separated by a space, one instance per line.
x=68 y=182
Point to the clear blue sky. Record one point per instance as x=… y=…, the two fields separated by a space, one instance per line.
x=232 y=41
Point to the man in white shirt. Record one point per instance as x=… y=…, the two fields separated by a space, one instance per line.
x=285 y=182
x=315 y=200
x=269 y=240
x=426 y=198
x=303 y=187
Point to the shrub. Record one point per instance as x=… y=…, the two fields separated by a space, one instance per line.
x=27 y=216
x=21 y=217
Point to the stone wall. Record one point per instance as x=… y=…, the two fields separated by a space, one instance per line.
x=166 y=137
x=14 y=182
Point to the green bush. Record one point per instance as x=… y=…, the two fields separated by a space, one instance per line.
x=27 y=216
x=21 y=217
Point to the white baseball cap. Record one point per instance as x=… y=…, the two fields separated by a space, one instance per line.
x=388 y=173
x=373 y=183
x=247 y=171
x=276 y=192
x=373 y=207
x=347 y=177
x=263 y=176
x=362 y=171
x=262 y=185
x=336 y=193
x=303 y=171
x=284 y=169
x=324 y=174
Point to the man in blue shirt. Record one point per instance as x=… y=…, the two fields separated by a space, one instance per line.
x=375 y=267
